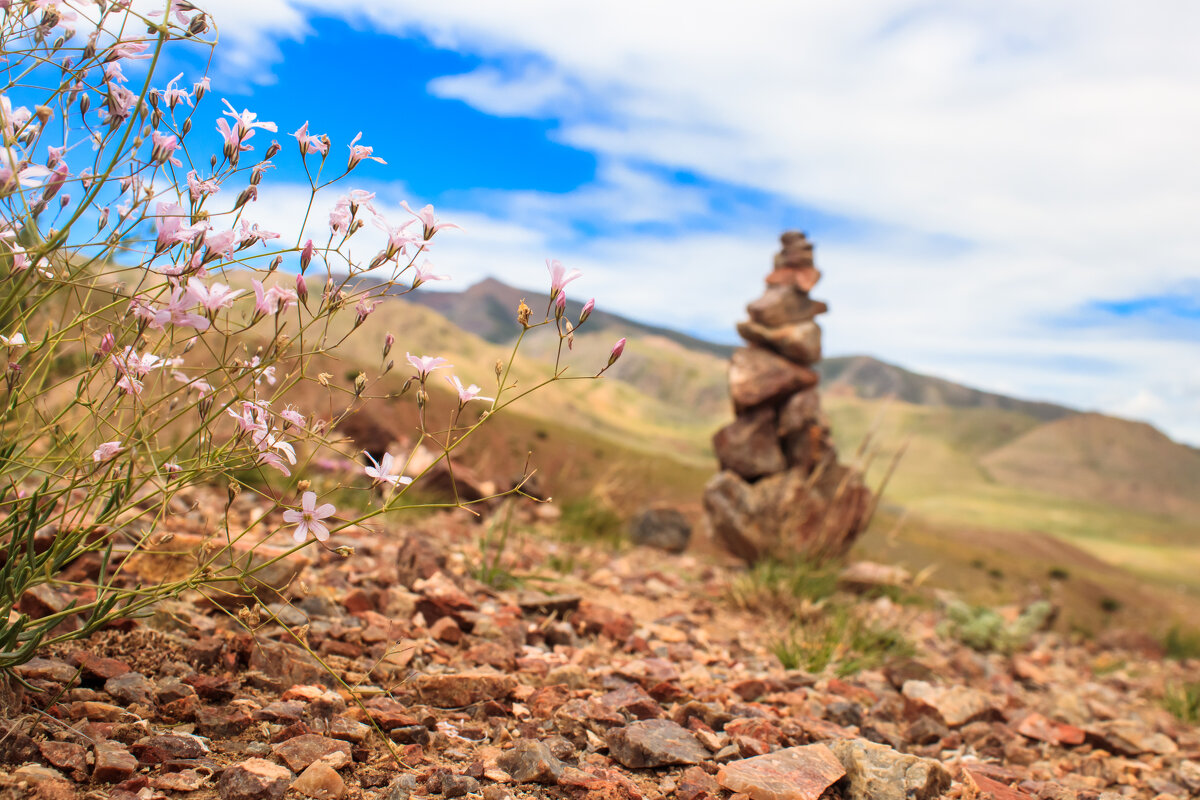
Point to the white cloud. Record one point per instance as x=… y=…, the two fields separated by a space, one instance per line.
x=1055 y=141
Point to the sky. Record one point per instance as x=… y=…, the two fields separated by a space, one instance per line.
x=1006 y=195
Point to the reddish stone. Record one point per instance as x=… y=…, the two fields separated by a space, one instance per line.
x=802 y=278
x=463 y=689
x=356 y=601
x=797 y=773
x=546 y=700
x=758 y=376
x=592 y=618
x=654 y=743
x=254 y=779
x=112 y=764
x=1038 y=727
x=446 y=630
x=97 y=669
x=221 y=721
x=301 y=751
x=750 y=444
x=782 y=305
x=66 y=756
x=634 y=701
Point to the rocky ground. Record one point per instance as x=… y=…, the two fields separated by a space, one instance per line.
x=601 y=674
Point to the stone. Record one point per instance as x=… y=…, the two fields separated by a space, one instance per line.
x=655 y=743
x=799 y=342
x=185 y=780
x=300 y=751
x=1129 y=738
x=758 y=376
x=537 y=603
x=957 y=705
x=320 y=781
x=46 y=669
x=1037 y=727
x=591 y=619
x=221 y=720
x=67 y=756
x=877 y=772
x=98 y=669
x=800 y=412
x=113 y=764
x=794 y=773
x=446 y=630
x=662 y=528
x=867 y=575
x=749 y=445
x=131 y=687
x=803 y=277
x=459 y=785
x=254 y=779
x=530 y=762
x=167 y=747
x=463 y=688
x=784 y=305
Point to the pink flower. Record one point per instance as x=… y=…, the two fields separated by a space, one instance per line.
x=106 y=452
x=214 y=297
x=173 y=95
x=560 y=305
x=273 y=300
x=429 y=222
x=364 y=308
x=292 y=417
x=558 y=276
x=163 y=149
x=467 y=394
x=171 y=231
x=241 y=131
x=587 y=310
x=381 y=472
x=618 y=348
x=15 y=174
x=309 y=518
x=306 y=254
x=16 y=340
x=129 y=362
x=130 y=385
x=425 y=273
x=252 y=420
x=427 y=364
x=198 y=188
x=307 y=143
x=398 y=241
x=359 y=152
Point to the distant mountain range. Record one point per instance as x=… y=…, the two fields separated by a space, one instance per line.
x=487 y=308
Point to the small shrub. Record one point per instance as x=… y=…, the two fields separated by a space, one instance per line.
x=1181 y=643
x=983 y=628
x=1183 y=701
x=841 y=640
x=772 y=585
x=1110 y=605
x=591 y=520
x=1058 y=574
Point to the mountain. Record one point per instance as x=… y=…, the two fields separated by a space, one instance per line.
x=488 y=310
x=871 y=378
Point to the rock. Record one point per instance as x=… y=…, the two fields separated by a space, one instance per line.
x=464 y=688
x=221 y=721
x=530 y=762
x=1038 y=727
x=664 y=528
x=185 y=780
x=803 y=278
x=730 y=505
x=1129 y=738
x=957 y=705
x=67 y=756
x=320 y=781
x=46 y=669
x=537 y=603
x=802 y=410
x=867 y=575
x=459 y=785
x=446 y=630
x=97 y=669
x=48 y=784
x=799 y=342
x=783 y=305
x=795 y=773
x=300 y=751
x=131 y=687
x=877 y=772
x=113 y=764
x=157 y=749
x=758 y=376
x=418 y=558
x=749 y=445
x=254 y=779
x=592 y=618
x=654 y=743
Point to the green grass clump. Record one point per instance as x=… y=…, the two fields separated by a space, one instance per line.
x=1183 y=700
x=983 y=628
x=778 y=585
x=841 y=640
x=1181 y=643
x=588 y=519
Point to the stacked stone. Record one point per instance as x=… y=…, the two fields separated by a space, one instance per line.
x=781 y=491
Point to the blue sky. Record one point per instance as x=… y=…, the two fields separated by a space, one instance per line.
x=1002 y=195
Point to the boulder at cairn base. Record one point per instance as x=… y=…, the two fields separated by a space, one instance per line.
x=781 y=492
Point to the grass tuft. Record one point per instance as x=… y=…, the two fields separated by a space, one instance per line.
x=841 y=640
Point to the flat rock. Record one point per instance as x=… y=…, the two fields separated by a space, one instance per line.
x=750 y=444
x=1038 y=727
x=655 y=743
x=463 y=688
x=877 y=772
x=46 y=669
x=758 y=376
x=781 y=305
x=795 y=773
x=799 y=342
x=957 y=705
x=320 y=781
x=131 y=687
x=530 y=762
x=66 y=756
x=300 y=751
x=166 y=747
x=113 y=764
x=254 y=779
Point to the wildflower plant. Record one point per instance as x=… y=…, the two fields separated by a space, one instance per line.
x=155 y=337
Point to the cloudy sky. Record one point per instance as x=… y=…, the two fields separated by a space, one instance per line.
x=1002 y=194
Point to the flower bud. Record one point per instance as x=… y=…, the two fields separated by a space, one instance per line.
x=302 y=290
x=360 y=383
x=587 y=310
x=618 y=348
x=106 y=343
x=197 y=26
x=272 y=150
x=388 y=341
x=306 y=254
x=275 y=262
x=232 y=491
x=303 y=486
x=85 y=103
x=499 y=368
x=560 y=304
x=523 y=312
x=186 y=127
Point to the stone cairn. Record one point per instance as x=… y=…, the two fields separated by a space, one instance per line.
x=781 y=492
